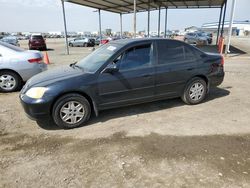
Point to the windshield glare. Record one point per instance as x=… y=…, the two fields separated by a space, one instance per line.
x=96 y=59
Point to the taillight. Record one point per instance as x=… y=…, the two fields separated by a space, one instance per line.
x=35 y=60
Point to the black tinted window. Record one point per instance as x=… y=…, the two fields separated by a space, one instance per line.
x=136 y=57
x=173 y=52
x=37 y=37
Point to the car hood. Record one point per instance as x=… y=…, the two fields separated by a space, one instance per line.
x=56 y=74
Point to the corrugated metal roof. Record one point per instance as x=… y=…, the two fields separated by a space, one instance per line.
x=126 y=6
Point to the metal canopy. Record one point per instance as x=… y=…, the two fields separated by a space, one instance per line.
x=127 y=6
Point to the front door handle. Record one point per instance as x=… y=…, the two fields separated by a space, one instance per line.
x=191 y=68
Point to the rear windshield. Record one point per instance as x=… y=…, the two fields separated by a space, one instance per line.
x=11 y=47
x=37 y=37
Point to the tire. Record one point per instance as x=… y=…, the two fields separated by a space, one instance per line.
x=66 y=107
x=70 y=44
x=195 y=91
x=9 y=81
x=85 y=45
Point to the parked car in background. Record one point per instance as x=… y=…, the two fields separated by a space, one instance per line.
x=105 y=40
x=36 y=41
x=97 y=41
x=120 y=73
x=10 y=40
x=82 y=41
x=209 y=37
x=17 y=66
x=196 y=38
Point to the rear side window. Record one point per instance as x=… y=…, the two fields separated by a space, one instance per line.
x=173 y=52
x=11 y=47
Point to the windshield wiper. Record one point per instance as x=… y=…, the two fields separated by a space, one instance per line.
x=75 y=65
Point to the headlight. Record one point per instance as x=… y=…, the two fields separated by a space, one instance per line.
x=36 y=92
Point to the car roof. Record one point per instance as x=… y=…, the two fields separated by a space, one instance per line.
x=131 y=41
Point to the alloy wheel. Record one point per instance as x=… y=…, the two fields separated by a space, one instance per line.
x=196 y=91
x=72 y=112
x=7 y=82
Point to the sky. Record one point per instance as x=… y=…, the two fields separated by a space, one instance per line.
x=46 y=15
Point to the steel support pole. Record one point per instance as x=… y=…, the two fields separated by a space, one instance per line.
x=65 y=29
x=121 y=24
x=230 y=27
x=219 y=24
x=134 y=18
x=159 y=22
x=148 y=18
x=166 y=22
x=223 y=21
x=100 y=24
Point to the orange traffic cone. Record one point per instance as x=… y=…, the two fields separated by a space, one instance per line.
x=46 y=58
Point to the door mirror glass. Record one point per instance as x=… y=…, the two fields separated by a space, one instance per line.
x=111 y=68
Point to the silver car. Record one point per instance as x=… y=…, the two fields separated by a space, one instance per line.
x=196 y=38
x=85 y=42
x=17 y=66
x=10 y=40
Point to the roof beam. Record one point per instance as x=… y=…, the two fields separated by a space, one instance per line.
x=98 y=4
x=126 y=6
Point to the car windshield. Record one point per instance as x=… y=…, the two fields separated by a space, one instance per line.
x=11 y=47
x=202 y=34
x=96 y=59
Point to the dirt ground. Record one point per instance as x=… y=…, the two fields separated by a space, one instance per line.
x=160 y=144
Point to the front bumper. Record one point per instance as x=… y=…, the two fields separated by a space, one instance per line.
x=35 y=109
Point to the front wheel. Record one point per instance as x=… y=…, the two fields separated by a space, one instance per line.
x=9 y=81
x=71 y=111
x=195 y=91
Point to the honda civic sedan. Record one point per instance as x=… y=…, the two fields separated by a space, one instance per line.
x=121 y=73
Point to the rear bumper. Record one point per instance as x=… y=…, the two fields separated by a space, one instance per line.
x=37 y=46
x=217 y=79
x=35 y=109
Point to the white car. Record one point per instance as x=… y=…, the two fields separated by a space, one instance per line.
x=17 y=66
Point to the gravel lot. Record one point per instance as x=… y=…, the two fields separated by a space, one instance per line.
x=160 y=144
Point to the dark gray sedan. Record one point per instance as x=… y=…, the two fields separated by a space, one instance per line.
x=120 y=73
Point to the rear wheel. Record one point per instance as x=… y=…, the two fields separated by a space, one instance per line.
x=9 y=81
x=71 y=111
x=70 y=44
x=195 y=91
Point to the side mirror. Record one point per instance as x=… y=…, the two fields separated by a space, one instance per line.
x=111 y=68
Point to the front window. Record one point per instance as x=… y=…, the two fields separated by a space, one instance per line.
x=96 y=59
x=135 y=57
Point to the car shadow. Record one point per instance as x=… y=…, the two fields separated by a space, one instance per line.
x=138 y=109
x=48 y=49
x=106 y=115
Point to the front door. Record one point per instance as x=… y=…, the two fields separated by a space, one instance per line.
x=134 y=81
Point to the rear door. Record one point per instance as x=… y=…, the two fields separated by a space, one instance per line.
x=176 y=65
x=133 y=82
